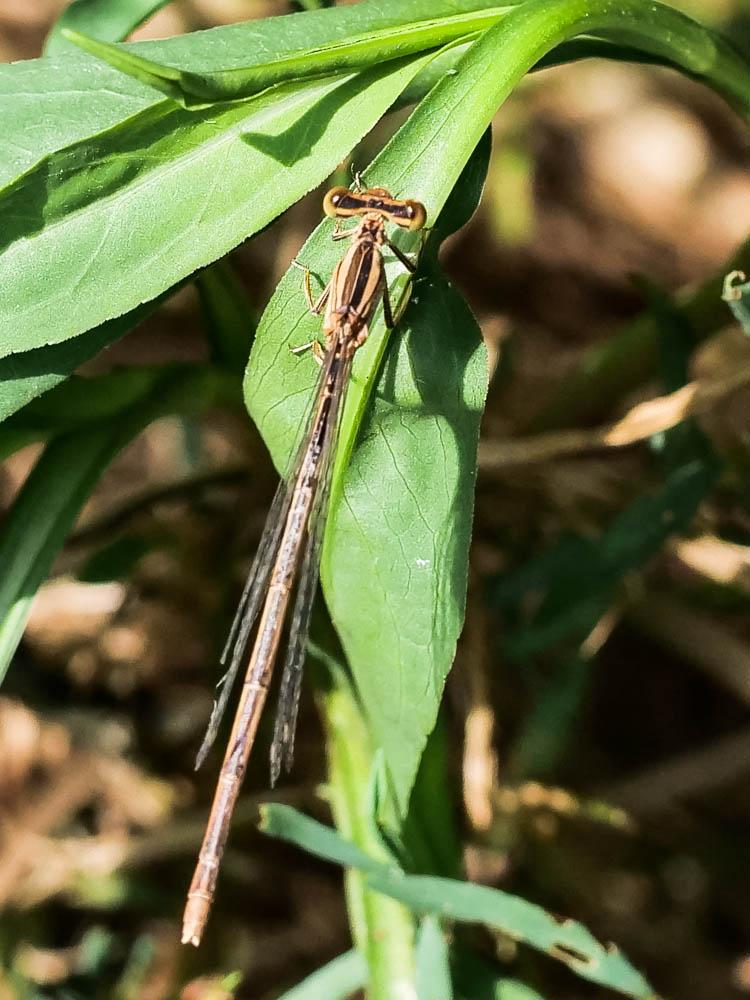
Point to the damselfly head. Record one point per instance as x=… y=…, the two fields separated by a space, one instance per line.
x=340 y=203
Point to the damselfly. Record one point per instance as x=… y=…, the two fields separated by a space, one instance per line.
x=289 y=548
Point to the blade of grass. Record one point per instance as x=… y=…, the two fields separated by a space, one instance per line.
x=43 y=513
x=565 y=940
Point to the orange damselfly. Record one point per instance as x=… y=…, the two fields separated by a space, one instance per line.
x=289 y=549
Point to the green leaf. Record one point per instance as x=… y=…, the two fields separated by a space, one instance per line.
x=112 y=20
x=179 y=85
x=64 y=475
x=337 y=980
x=433 y=968
x=285 y=823
x=404 y=516
x=83 y=401
x=563 y=939
x=96 y=227
x=47 y=104
x=117 y=227
x=418 y=441
x=736 y=294
x=586 y=47
x=625 y=25
x=463 y=103
x=26 y=376
x=74 y=98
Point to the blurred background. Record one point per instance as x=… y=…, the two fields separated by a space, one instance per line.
x=599 y=739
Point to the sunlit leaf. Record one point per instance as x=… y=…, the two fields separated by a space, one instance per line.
x=412 y=532
x=118 y=226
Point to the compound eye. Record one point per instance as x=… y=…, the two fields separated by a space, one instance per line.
x=332 y=199
x=417 y=215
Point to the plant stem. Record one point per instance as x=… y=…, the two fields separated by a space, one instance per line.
x=382 y=929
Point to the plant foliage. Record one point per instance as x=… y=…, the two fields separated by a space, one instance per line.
x=128 y=170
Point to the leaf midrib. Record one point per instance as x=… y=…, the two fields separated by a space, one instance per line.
x=473 y=21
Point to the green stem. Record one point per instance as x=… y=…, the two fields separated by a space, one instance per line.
x=382 y=929
x=523 y=36
x=648 y=26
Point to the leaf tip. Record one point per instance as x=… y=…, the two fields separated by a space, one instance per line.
x=70 y=35
x=264 y=817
